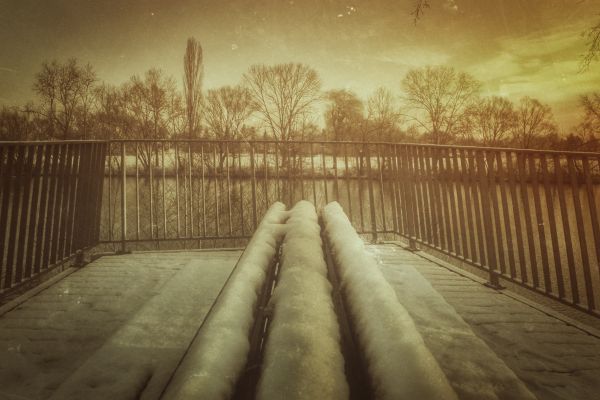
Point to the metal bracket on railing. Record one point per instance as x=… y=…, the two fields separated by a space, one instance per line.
x=79 y=259
x=494 y=281
x=412 y=245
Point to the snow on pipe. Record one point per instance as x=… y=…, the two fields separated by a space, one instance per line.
x=217 y=356
x=303 y=358
x=399 y=364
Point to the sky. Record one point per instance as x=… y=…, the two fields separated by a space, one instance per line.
x=515 y=47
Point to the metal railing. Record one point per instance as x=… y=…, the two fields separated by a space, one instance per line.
x=216 y=190
x=49 y=205
x=525 y=216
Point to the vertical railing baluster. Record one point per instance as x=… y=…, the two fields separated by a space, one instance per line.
x=123 y=199
x=185 y=198
x=441 y=171
x=484 y=189
x=324 y=166
x=178 y=219
x=493 y=190
x=527 y=216
x=592 y=207
x=137 y=191
x=505 y=214
x=150 y=150
x=191 y=186
x=371 y=194
x=241 y=180
x=569 y=245
x=516 y=214
x=553 y=228
x=99 y=151
x=25 y=181
x=381 y=189
x=426 y=195
x=465 y=174
x=53 y=258
x=36 y=223
x=217 y=180
x=253 y=168
x=391 y=155
x=164 y=194
x=277 y=177
x=203 y=189
x=57 y=154
x=539 y=222
x=432 y=164
x=301 y=169
x=476 y=201
x=67 y=205
x=359 y=181
x=313 y=176
x=228 y=190
x=335 y=172
x=451 y=187
x=267 y=201
x=6 y=174
x=419 y=206
x=457 y=177
x=585 y=260
x=348 y=182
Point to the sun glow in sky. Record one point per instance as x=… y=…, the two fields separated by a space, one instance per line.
x=515 y=47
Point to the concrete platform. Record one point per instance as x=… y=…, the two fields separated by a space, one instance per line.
x=120 y=319
x=118 y=327
x=554 y=359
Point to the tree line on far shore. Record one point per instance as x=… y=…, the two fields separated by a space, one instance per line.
x=435 y=104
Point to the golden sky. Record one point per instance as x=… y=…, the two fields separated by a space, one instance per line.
x=515 y=47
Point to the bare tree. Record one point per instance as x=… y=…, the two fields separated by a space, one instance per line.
x=383 y=115
x=283 y=94
x=16 y=124
x=192 y=84
x=63 y=89
x=491 y=120
x=591 y=108
x=343 y=114
x=153 y=104
x=155 y=109
x=585 y=135
x=439 y=97
x=226 y=110
x=534 y=122
x=111 y=117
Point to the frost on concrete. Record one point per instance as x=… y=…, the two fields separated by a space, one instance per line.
x=303 y=358
x=218 y=355
x=399 y=364
x=473 y=369
x=138 y=359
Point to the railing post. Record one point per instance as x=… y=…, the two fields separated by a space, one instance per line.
x=409 y=206
x=371 y=196
x=484 y=190
x=254 y=209
x=123 y=200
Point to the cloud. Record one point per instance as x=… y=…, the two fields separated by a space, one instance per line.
x=544 y=64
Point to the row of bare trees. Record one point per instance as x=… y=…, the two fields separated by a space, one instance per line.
x=437 y=104
x=443 y=106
